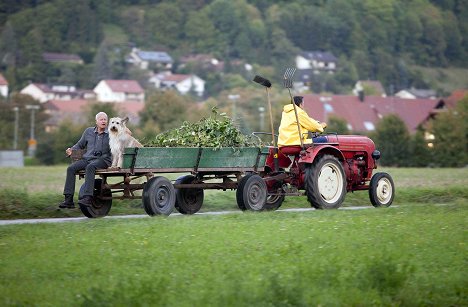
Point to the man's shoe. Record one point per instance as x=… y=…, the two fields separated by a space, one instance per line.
x=87 y=200
x=68 y=202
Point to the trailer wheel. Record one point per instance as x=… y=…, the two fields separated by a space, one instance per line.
x=273 y=202
x=100 y=207
x=158 y=196
x=381 y=190
x=190 y=200
x=325 y=183
x=251 y=193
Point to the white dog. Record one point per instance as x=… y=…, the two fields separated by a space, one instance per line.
x=119 y=138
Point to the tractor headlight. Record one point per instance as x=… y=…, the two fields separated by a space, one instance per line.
x=376 y=155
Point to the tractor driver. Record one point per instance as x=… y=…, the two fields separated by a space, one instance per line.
x=288 y=130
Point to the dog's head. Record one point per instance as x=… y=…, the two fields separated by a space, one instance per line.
x=117 y=125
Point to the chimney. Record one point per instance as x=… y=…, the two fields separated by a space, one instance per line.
x=361 y=95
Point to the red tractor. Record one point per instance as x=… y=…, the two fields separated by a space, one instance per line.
x=326 y=171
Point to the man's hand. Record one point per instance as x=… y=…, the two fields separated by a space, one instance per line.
x=68 y=151
x=324 y=125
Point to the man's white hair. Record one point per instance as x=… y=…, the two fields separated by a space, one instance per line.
x=101 y=113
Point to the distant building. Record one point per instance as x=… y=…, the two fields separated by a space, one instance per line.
x=374 y=87
x=43 y=92
x=3 y=86
x=318 y=61
x=204 y=61
x=413 y=93
x=363 y=115
x=75 y=111
x=143 y=59
x=53 y=57
x=184 y=84
x=119 y=91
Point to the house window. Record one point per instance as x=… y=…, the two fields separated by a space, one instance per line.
x=369 y=126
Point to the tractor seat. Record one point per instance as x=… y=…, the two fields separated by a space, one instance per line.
x=292 y=150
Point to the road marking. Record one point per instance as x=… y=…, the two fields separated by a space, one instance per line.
x=79 y=219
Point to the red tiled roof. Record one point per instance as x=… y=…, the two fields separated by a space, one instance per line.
x=60 y=57
x=125 y=86
x=412 y=111
x=3 y=81
x=456 y=96
x=67 y=108
x=175 y=77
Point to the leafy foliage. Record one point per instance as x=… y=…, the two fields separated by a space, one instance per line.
x=216 y=131
x=392 y=139
x=450 y=131
x=371 y=35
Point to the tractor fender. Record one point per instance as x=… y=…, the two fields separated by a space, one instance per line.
x=308 y=156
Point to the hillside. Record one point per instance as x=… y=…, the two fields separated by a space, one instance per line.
x=373 y=39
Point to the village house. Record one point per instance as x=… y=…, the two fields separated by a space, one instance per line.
x=146 y=59
x=414 y=93
x=318 y=61
x=184 y=84
x=203 y=61
x=370 y=87
x=363 y=113
x=53 y=57
x=76 y=112
x=3 y=86
x=119 y=91
x=43 y=92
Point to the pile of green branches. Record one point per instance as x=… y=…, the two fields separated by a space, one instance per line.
x=216 y=131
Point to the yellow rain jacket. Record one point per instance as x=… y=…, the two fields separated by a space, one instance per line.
x=288 y=133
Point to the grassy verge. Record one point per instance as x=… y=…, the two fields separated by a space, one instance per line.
x=34 y=192
x=403 y=256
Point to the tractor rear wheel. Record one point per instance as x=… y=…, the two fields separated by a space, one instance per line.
x=190 y=200
x=381 y=190
x=325 y=183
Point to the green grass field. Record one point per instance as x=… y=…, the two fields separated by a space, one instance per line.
x=410 y=255
x=34 y=192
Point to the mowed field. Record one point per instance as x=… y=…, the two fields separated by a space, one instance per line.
x=34 y=192
x=413 y=253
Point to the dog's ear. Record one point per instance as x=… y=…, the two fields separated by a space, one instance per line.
x=125 y=120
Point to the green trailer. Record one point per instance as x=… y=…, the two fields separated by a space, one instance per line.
x=205 y=168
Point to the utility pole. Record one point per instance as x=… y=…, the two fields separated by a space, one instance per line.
x=234 y=98
x=15 y=137
x=32 y=143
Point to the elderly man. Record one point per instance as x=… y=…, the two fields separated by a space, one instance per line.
x=96 y=142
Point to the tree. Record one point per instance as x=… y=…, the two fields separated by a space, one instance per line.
x=337 y=124
x=7 y=122
x=450 y=130
x=163 y=111
x=392 y=139
x=420 y=153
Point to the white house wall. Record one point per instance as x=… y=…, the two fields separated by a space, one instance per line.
x=302 y=63
x=4 y=90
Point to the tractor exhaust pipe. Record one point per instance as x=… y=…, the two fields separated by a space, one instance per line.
x=267 y=84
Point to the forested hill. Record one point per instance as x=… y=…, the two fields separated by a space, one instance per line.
x=373 y=39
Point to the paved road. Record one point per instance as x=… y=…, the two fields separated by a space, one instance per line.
x=79 y=219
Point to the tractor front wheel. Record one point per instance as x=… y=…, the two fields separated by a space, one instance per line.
x=381 y=190
x=325 y=183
